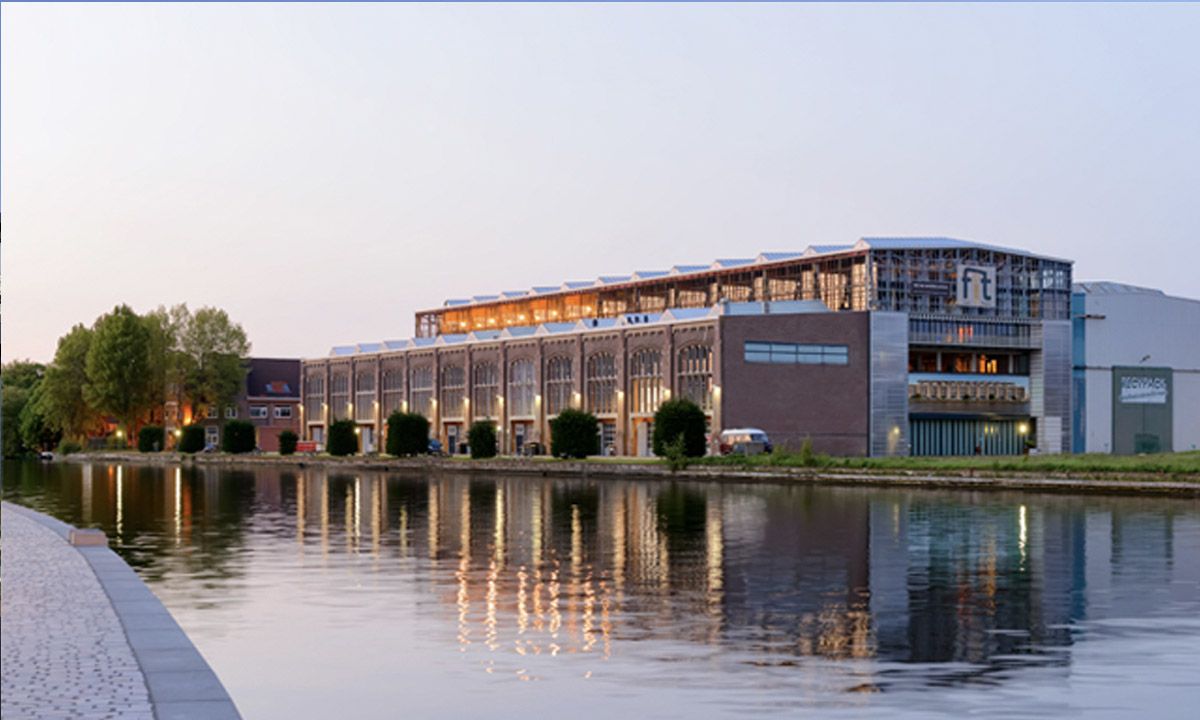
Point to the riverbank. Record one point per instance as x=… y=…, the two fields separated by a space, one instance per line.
x=956 y=473
x=84 y=637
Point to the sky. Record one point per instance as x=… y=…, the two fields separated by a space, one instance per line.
x=323 y=172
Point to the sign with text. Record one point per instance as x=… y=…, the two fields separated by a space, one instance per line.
x=1143 y=390
x=975 y=286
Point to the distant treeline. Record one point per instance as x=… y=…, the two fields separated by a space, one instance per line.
x=120 y=371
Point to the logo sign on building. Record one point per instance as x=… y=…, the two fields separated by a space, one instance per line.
x=1142 y=390
x=976 y=286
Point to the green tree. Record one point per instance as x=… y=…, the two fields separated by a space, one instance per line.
x=151 y=438
x=62 y=398
x=287 y=442
x=574 y=434
x=342 y=438
x=20 y=378
x=119 y=380
x=191 y=439
x=482 y=439
x=211 y=349
x=238 y=437
x=407 y=434
x=680 y=418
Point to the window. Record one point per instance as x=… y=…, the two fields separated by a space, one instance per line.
x=314 y=397
x=559 y=385
x=601 y=377
x=421 y=383
x=283 y=411
x=695 y=375
x=230 y=412
x=210 y=412
x=393 y=390
x=794 y=354
x=522 y=387
x=454 y=385
x=645 y=381
x=486 y=386
x=258 y=412
x=339 y=395
x=364 y=395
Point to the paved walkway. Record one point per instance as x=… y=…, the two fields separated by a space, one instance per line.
x=83 y=637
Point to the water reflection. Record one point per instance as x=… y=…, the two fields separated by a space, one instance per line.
x=520 y=574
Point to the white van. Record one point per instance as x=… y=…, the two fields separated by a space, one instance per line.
x=744 y=441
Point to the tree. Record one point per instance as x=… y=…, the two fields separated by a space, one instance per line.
x=211 y=348
x=287 y=442
x=680 y=418
x=191 y=439
x=407 y=434
x=238 y=437
x=342 y=438
x=482 y=439
x=20 y=379
x=62 y=397
x=119 y=380
x=574 y=434
x=151 y=438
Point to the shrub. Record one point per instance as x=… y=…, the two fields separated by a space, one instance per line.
x=150 y=438
x=69 y=447
x=287 y=442
x=574 y=434
x=807 y=458
x=407 y=434
x=238 y=437
x=191 y=440
x=676 y=454
x=680 y=418
x=482 y=439
x=342 y=438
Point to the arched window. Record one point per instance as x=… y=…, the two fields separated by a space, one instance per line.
x=522 y=387
x=421 y=385
x=314 y=397
x=601 y=379
x=695 y=375
x=393 y=391
x=339 y=395
x=454 y=386
x=559 y=384
x=364 y=395
x=645 y=381
x=486 y=384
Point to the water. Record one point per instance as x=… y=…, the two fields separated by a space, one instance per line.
x=317 y=594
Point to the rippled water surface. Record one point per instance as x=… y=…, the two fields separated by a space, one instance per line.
x=318 y=594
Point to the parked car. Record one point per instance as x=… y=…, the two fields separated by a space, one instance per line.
x=744 y=441
x=435 y=447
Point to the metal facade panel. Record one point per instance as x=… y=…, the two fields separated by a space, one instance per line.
x=889 y=384
x=1050 y=386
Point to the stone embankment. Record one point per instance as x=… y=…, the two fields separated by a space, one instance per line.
x=1106 y=483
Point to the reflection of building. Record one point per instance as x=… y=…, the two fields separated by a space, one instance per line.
x=887 y=346
x=269 y=400
x=1136 y=370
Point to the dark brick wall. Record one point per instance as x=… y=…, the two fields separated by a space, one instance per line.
x=827 y=403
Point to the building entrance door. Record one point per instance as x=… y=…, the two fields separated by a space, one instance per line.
x=368 y=439
x=452 y=439
x=645 y=434
x=519 y=433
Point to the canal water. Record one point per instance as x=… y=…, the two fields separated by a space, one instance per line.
x=372 y=595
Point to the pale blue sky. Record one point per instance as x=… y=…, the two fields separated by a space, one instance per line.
x=322 y=172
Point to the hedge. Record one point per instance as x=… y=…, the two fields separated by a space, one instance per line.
x=676 y=418
x=287 y=442
x=342 y=438
x=574 y=434
x=482 y=439
x=192 y=439
x=151 y=438
x=407 y=434
x=238 y=437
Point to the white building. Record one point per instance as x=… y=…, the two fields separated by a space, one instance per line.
x=1136 y=369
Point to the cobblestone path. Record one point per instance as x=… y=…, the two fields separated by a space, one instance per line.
x=64 y=653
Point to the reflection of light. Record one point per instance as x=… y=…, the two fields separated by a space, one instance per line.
x=178 y=504
x=1022 y=532
x=120 y=504
x=715 y=547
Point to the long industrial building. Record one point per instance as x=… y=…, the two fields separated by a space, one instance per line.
x=887 y=346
